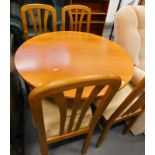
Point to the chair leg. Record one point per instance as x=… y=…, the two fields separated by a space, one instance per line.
x=43 y=149
x=86 y=143
x=127 y=127
x=102 y=136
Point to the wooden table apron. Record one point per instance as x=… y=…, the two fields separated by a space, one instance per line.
x=65 y=54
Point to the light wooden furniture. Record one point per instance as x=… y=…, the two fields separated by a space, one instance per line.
x=99 y=10
x=38 y=14
x=130 y=107
x=79 y=16
x=66 y=54
x=56 y=121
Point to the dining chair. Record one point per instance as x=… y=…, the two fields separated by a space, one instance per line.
x=35 y=18
x=55 y=119
x=79 y=17
x=123 y=107
x=129 y=32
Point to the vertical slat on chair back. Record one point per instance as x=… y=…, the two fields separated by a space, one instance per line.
x=56 y=91
x=45 y=20
x=133 y=104
x=76 y=17
x=61 y=102
x=75 y=107
x=137 y=105
x=39 y=20
x=87 y=103
x=38 y=25
x=33 y=20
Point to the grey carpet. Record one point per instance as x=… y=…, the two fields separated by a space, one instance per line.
x=115 y=143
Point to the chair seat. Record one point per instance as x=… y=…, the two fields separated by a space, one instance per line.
x=52 y=117
x=117 y=100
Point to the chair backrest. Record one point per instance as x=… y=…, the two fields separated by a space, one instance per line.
x=55 y=90
x=133 y=105
x=38 y=14
x=79 y=16
x=129 y=32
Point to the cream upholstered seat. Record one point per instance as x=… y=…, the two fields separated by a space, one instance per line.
x=117 y=100
x=120 y=96
x=129 y=31
x=52 y=117
x=128 y=104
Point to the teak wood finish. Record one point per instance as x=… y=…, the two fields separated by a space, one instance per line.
x=78 y=15
x=39 y=24
x=61 y=55
x=131 y=107
x=55 y=90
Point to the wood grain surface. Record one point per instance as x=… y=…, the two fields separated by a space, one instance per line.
x=65 y=54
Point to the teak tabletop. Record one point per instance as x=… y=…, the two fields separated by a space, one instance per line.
x=65 y=54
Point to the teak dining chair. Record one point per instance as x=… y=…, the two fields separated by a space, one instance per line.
x=78 y=16
x=55 y=120
x=129 y=109
x=38 y=17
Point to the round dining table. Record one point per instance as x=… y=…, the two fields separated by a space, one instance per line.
x=61 y=55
